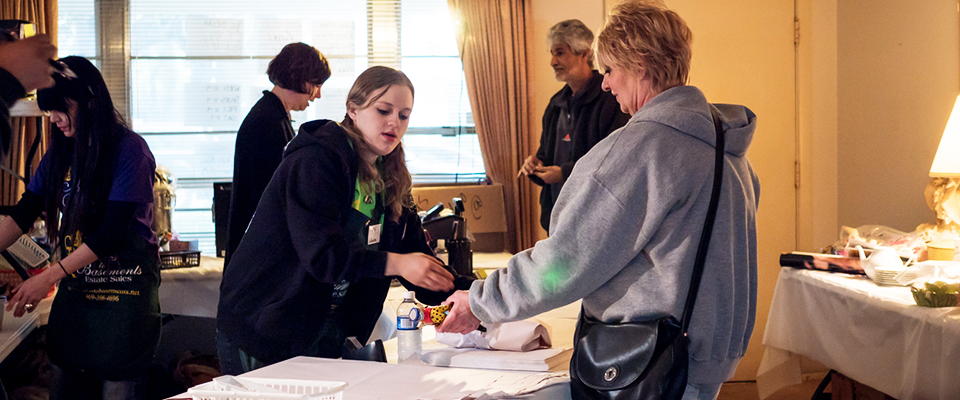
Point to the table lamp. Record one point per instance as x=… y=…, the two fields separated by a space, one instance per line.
x=941 y=193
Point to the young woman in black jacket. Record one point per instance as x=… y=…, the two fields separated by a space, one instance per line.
x=334 y=226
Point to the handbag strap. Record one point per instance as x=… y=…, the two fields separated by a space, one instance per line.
x=707 y=226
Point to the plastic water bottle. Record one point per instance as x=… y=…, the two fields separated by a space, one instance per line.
x=442 y=252
x=409 y=339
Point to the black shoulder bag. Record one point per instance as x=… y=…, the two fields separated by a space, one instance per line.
x=642 y=359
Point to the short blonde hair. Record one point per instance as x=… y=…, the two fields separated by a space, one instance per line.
x=646 y=35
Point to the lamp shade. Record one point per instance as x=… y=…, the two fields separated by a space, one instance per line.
x=946 y=164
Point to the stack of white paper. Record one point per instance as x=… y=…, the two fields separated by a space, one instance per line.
x=540 y=360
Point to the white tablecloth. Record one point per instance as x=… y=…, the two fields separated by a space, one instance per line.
x=192 y=291
x=873 y=334
x=373 y=381
x=370 y=380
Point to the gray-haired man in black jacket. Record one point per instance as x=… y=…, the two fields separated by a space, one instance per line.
x=578 y=116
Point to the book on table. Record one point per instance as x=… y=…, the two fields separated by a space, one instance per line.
x=540 y=360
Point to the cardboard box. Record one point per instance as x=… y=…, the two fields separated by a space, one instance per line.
x=483 y=211
x=483 y=204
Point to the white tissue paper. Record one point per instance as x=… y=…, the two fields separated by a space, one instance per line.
x=526 y=335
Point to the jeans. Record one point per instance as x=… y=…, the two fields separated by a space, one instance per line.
x=233 y=360
x=69 y=385
x=702 y=391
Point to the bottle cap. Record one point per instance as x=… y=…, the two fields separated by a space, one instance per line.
x=409 y=295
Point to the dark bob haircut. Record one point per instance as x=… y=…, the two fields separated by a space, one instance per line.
x=297 y=65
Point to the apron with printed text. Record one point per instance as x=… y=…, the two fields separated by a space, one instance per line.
x=105 y=319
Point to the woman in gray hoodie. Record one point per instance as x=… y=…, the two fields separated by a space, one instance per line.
x=628 y=220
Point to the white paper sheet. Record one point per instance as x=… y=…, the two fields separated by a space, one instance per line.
x=372 y=380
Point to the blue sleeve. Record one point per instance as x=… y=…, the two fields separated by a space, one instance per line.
x=36 y=182
x=133 y=172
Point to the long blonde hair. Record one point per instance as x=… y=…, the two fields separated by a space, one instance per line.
x=389 y=175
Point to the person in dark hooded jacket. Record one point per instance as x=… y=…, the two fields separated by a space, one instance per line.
x=334 y=226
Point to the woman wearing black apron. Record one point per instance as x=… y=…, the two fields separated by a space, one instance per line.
x=334 y=226
x=95 y=184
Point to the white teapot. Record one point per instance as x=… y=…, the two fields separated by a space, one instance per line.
x=881 y=257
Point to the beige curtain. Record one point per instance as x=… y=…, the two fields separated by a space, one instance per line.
x=43 y=14
x=492 y=46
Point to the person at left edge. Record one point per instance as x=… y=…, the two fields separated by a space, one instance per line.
x=24 y=66
x=104 y=325
x=335 y=225
x=297 y=73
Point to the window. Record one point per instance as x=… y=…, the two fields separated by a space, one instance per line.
x=186 y=72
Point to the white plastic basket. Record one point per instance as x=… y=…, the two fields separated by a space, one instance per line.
x=28 y=252
x=233 y=388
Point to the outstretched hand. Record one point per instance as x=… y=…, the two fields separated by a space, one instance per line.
x=28 y=60
x=421 y=270
x=460 y=319
x=529 y=166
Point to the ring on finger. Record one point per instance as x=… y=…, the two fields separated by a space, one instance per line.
x=28 y=306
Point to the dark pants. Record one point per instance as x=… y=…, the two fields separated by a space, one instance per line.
x=233 y=360
x=69 y=385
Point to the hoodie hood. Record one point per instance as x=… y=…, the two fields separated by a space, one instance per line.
x=685 y=109
x=321 y=132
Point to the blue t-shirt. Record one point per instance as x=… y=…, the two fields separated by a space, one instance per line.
x=133 y=171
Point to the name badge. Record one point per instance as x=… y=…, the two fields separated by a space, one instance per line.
x=373 y=234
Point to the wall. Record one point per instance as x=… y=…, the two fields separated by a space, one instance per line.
x=898 y=74
x=818 y=124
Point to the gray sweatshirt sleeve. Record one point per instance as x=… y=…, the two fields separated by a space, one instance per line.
x=604 y=218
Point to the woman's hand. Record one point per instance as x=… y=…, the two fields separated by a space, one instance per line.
x=551 y=174
x=421 y=270
x=28 y=294
x=529 y=166
x=460 y=319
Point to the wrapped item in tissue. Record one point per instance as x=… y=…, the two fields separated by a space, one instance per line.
x=526 y=335
x=907 y=245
